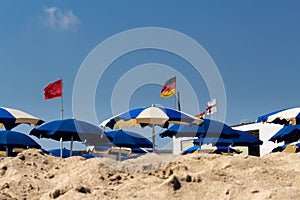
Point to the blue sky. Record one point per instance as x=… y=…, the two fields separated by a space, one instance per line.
x=255 y=45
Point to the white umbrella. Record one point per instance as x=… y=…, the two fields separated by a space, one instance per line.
x=10 y=118
x=282 y=116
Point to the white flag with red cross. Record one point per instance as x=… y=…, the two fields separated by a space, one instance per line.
x=211 y=107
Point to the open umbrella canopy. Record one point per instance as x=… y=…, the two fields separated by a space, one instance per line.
x=69 y=129
x=209 y=128
x=216 y=149
x=224 y=150
x=13 y=139
x=11 y=118
x=287 y=148
x=121 y=138
x=284 y=116
x=190 y=150
x=287 y=134
x=151 y=115
x=215 y=141
x=140 y=150
x=245 y=139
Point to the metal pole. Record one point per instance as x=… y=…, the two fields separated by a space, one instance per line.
x=61 y=146
x=62 y=107
x=200 y=143
x=71 y=146
x=62 y=117
x=119 y=154
x=175 y=94
x=178 y=101
x=175 y=101
x=153 y=138
x=173 y=138
x=228 y=150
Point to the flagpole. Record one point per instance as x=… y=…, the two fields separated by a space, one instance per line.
x=173 y=138
x=178 y=101
x=62 y=103
x=175 y=101
x=62 y=117
x=62 y=107
x=54 y=90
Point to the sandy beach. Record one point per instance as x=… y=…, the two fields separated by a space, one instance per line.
x=35 y=175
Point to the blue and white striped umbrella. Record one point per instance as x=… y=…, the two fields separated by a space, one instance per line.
x=10 y=118
x=150 y=116
x=284 y=116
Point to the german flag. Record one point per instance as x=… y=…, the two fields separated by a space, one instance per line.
x=169 y=88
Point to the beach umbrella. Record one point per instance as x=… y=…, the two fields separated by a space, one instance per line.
x=13 y=139
x=190 y=150
x=225 y=150
x=213 y=140
x=65 y=153
x=128 y=139
x=287 y=134
x=209 y=128
x=140 y=150
x=216 y=150
x=11 y=118
x=245 y=139
x=287 y=148
x=150 y=116
x=88 y=156
x=284 y=116
x=70 y=130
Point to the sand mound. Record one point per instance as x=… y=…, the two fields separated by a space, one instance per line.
x=34 y=175
x=145 y=163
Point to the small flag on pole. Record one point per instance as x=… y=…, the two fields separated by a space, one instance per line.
x=211 y=107
x=169 y=88
x=201 y=115
x=53 y=90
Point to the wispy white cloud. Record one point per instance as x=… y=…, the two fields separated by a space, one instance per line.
x=61 y=20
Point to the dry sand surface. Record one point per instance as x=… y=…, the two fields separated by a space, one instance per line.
x=34 y=175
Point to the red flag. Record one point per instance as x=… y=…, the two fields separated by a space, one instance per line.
x=53 y=90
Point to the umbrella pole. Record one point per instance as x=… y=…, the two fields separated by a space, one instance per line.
x=153 y=138
x=61 y=146
x=173 y=145
x=6 y=151
x=120 y=154
x=200 y=142
x=71 y=146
